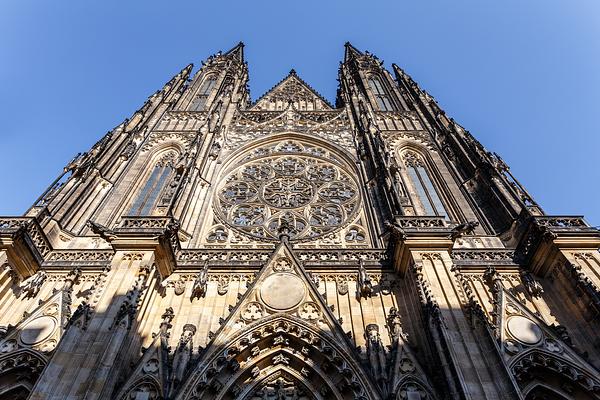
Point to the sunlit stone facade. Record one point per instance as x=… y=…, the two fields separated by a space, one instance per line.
x=215 y=247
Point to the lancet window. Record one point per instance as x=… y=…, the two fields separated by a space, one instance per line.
x=150 y=194
x=206 y=88
x=423 y=185
x=381 y=96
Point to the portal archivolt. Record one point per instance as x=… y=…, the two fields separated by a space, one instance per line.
x=279 y=356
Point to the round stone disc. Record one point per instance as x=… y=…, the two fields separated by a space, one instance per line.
x=282 y=291
x=524 y=330
x=37 y=330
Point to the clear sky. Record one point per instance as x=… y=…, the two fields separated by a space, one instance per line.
x=522 y=76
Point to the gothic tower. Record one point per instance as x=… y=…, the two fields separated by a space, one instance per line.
x=215 y=247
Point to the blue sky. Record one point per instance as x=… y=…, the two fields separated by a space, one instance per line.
x=522 y=76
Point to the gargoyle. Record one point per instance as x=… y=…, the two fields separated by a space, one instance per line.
x=102 y=231
x=395 y=230
x=466 y=228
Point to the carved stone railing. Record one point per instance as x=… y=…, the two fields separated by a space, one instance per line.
x=158 y=233
x=12 y=226
x=137 y=223
x=563 y=223
x=166 y=226
x=418 y=222
x=259 y=256
x=483 y=257
x=12 y=223
x=310 y=256
x=407 y=114
x=200 y=256
x=85 y=257
x=540 y=236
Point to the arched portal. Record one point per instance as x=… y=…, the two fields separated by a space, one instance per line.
x=310 y=362
x=18 y=373
x=544 y=375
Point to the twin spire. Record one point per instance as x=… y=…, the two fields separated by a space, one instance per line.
x=237 y=53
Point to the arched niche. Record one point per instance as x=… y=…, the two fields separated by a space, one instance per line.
x=147 y=388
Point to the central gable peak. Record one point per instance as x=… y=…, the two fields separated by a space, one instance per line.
x=295 y=91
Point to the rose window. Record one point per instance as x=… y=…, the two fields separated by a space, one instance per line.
x=307 y=194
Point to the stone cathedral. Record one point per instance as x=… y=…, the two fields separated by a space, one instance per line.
x=212 y=246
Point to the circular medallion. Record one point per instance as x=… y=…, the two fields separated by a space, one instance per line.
x=524 y=330
x=151 y=366
x=37 y=330
x=282 y=291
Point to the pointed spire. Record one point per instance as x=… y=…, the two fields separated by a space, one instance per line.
x=237 y=52
x=181 y=75
x=399 y=71
x=187 y=70
x=351 y=52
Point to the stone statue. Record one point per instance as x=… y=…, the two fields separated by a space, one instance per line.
x=365 y=287
x=199 y=288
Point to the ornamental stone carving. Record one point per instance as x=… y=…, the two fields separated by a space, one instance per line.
x=311 y=195
x=309 y=311
x=252 y=312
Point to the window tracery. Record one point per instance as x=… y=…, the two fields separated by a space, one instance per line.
x=217 y=235
x=201 y=98
x=423 y=185
x=150 y=194
x=381 y=96
x=288 y=184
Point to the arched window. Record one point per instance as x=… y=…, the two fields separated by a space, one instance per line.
x=202 y=96
x=383 y=100
x=428 y=196
x=147 y=198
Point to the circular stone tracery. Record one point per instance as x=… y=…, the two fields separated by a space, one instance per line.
x=288 y=185
x=288 y=192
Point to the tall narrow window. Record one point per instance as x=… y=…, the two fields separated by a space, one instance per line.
x=202 y=96
x=147 y=198
x=428 y=196
x=383 y=100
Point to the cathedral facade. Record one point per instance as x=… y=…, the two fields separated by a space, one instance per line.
x=215 y=247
